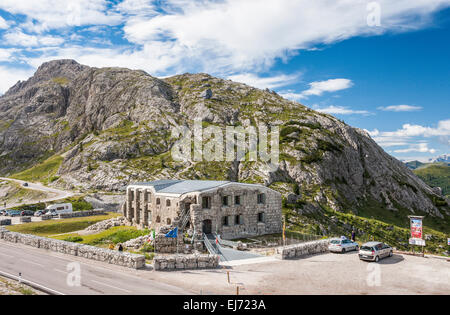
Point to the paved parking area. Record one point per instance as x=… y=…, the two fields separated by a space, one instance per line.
x=320 y=274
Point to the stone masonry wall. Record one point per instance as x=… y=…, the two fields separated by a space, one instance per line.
x=79 y=214
x=185 y=262
x=303 y=249
x=248 y=209
x=90 y=252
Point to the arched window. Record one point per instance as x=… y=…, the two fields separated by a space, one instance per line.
x=158 y=219
x=168 y=221
x=167 y=203
x=158 y=201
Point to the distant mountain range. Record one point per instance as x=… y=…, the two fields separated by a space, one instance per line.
x=445 y=158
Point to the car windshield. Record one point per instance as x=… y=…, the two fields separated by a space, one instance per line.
x=335 y=242
x=367 y=248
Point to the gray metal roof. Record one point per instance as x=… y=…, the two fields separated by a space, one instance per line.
x=174 y=186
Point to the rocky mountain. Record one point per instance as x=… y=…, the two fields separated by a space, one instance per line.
x=101 y=128
x=444 y=158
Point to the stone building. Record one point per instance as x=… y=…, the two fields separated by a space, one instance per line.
x=230 y=209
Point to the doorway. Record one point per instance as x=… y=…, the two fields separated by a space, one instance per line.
x=207 y=227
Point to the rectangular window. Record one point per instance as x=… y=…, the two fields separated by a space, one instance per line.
x=225 y=201
x=261 y=199
x=238 y=219
x=261 y=217
x=237 y=200
x=206 y=202
x=225 y=221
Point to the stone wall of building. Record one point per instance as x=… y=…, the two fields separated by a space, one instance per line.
x=185 y=262
x=90 y=252
x=143 y=208
x=248 y=209
x=302 y=249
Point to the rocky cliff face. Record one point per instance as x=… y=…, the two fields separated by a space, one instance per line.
x=112 y=126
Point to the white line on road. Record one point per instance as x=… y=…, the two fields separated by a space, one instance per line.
x=32 y=262
x=33 y=284
x=6 y=255
x=111 y=286
x=60 y=271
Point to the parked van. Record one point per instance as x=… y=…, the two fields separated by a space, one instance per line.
x=59 y=208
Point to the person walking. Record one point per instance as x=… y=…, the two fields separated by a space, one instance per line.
x=120 y=248
x=353 y=235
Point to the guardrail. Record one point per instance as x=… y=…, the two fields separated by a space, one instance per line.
x=30 y=284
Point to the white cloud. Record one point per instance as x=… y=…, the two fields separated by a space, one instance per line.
x=10 y=76
x=400 y=108
x=265 y=82
x=420 y=147
x=340 y=110
x=18 y=38
x=233 y=35
x=410 y=136
x=319 y=87
x=52 y=14
x=3 y=23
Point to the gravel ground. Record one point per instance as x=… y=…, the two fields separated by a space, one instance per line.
x=10 y=287
x=321 y=274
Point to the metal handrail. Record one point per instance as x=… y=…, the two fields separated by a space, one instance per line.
x=209 y=246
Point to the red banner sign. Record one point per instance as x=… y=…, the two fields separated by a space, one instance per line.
x=416 y=228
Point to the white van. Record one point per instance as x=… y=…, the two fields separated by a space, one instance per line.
x=59 y=208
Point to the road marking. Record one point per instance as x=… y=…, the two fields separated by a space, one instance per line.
x=111 y=286
x=31 y=262
x=6 y=255
x=57 y=270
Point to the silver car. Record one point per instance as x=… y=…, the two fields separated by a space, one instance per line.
x=342 y=245
x=374 y=251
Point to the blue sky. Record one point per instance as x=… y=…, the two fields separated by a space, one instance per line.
x=381 y=65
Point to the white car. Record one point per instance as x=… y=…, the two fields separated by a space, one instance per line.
x=342 y=245
x=374 y=251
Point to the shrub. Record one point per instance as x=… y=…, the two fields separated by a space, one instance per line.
x=73 y=239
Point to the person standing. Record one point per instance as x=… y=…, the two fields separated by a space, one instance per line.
x=353 y=235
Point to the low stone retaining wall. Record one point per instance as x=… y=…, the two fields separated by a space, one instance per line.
x=90 y=252
x=79 y=214
x=303 y=249
x=46 y=217
x=25 y=219
x=5 y=222
x=185 y=262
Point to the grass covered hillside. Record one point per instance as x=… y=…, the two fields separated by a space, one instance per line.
x=436 y=175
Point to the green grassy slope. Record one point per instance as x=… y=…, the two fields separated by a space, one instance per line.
x=436 y=175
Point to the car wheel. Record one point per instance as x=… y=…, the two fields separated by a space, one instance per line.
x=357 y=248
x=343 y=250
x=377 y=259
x=391 y=253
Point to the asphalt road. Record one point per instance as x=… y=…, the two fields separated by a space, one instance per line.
x=50 y=271
x=57 y=193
